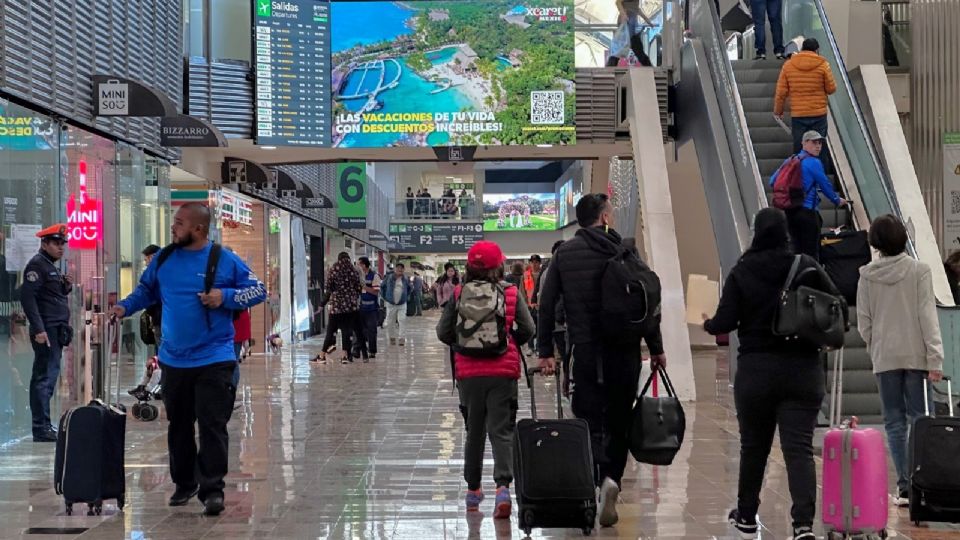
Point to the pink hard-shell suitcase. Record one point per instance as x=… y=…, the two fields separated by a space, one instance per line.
x=854 y=500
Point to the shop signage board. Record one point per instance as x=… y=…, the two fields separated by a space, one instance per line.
x=951 y=192
x=84 y=216
x=317 y=201
x=352 y=195
x=118 y=96
x=434 y=237
x=188 y=131
x=235 y=209
x=376 y=236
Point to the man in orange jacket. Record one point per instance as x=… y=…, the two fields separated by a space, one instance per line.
x=807 y=80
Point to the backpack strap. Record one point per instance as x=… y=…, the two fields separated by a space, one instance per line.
x=165 y=254
x=212 y=261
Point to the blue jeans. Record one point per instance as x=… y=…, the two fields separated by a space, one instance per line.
x=43 y=380
x=771 y=9
x=901 y=398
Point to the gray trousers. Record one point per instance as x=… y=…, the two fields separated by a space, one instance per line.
x=489 y=406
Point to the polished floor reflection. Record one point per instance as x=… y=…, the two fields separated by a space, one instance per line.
x=374 y=451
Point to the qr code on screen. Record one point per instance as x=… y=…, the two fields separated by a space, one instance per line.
x=955 y=202
x=546 y=107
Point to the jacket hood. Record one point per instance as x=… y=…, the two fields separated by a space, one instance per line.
x=807 y=60
x=888 y=270
x=768 y=266
x=604 y=241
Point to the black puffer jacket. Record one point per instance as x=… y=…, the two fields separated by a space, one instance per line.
x=575 y=273
x=750 y=297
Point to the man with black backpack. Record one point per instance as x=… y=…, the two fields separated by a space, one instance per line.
x=199 y=285
x=796 y=190
x=612 y=301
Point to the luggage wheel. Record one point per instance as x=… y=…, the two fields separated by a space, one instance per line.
x=587 y=531
x=95 y=509
x=69 y=508
x=120 y=502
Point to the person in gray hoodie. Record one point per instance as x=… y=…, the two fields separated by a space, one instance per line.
x=897 y=315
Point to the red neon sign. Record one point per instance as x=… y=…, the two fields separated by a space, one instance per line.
x=84 y=220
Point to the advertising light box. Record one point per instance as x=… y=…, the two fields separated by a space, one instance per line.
x=415 y=73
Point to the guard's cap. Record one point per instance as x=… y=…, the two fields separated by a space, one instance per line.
x=54 y=232
x=812 y=136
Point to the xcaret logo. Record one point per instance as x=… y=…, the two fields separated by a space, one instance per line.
x=548 y=14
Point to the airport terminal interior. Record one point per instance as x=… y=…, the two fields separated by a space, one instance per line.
x=266 y=261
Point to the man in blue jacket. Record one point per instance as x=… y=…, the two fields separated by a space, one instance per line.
x=805 y=222
x=395 y=291
x=196 y=352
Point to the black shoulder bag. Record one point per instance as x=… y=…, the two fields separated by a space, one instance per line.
x=808 y=314
x=659 y=424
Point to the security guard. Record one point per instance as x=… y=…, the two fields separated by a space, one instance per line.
x=44 y=298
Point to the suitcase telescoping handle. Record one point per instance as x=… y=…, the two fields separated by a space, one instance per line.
x=533 y=398
x=926 y=395
x=836 y=394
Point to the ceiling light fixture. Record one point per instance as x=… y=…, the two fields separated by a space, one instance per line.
x=268 y=147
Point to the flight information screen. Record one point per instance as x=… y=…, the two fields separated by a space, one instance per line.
x=292 y=62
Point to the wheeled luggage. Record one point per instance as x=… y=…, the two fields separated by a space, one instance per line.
x=935 y=482
x=842 y=254
x=89 y=458
x=553 y=470
x=854 y=500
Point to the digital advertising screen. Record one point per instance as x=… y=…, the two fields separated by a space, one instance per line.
x=462 y=72
x=569 y=192
x=519 y=212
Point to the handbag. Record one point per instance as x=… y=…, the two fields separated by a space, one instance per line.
x=659 y=423
x=809 y=314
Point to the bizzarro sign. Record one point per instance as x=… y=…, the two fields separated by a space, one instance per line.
x=185 y=130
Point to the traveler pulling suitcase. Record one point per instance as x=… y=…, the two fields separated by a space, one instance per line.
x=553 y=469
x=88 y=466
x=935 y=482
x=854 y=473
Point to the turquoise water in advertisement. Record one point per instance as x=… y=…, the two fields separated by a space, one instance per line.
x=411 y=95
x=366 y=23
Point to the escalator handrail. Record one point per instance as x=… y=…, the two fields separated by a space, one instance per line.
x=741 y=117
x=861 y=122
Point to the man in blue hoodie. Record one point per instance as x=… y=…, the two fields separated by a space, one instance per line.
x=805 y=222
x=196 y=352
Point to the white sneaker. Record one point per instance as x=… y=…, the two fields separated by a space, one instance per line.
x=609 y=491
x=902 y=500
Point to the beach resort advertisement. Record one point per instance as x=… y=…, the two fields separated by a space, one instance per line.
x=519 y=212
x=460 y=73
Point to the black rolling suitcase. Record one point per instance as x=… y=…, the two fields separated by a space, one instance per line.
x=553 y=470
x=89 y=463
x=842 y=254
x=935 y=479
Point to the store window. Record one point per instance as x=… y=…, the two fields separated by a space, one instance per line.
x=30 y=198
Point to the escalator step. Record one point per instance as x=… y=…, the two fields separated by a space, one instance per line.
x=757 y=76
x=750 y=65
x=754 y=89
x=757 y=104
x=771 y=150
x=771 y=134
x=760 y=119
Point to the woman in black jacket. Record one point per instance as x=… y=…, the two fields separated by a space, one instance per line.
x=779 y=383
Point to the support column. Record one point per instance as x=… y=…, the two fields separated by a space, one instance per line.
x=659 y=232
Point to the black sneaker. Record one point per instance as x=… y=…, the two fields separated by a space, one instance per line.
x=48 y=435
x=747 y=529
x=213 y=505
x=761 y=56
x=182 y=496
x=804 y=532
x=780 y=56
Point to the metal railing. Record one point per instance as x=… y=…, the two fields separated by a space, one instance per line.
x=437 y=208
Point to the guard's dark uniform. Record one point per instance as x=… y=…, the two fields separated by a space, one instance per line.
x=44 y=299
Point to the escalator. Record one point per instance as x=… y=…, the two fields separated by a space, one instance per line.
x=740 y=145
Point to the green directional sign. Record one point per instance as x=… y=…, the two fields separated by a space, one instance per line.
x=352 y=195
x=264 y=8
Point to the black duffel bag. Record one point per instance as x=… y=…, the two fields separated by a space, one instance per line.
x=659 y=424
x=809 y=314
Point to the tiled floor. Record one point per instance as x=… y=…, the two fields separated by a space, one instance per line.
x=373 y=451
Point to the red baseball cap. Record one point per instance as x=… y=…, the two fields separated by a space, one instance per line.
x=486 y=255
